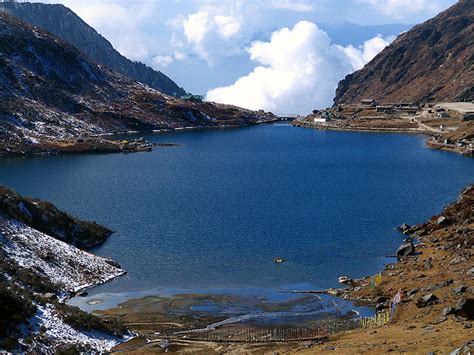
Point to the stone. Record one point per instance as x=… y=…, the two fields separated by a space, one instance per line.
x=440 y=320
x=465 y=308
x=404 y=228
x=413 y=291
x=457 y=260
x=447 y=311
x=442 y=220
x=459 y=290
x=345 y=280
x=470 y=272
x=440 y=285
x=428 y=263
x=427 y=300
x=406 y=249
x=467 y=326
x=467 y=348
x=82 y=294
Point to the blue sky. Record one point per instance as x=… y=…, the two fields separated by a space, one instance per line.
x=278 y=55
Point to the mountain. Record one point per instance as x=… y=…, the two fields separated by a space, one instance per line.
x=434 y=61
x=65 y=24
x=51 y=92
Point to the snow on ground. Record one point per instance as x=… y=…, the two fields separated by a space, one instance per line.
x=66 y=266
x=60 y=333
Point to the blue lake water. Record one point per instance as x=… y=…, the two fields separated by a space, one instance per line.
x=215 y=211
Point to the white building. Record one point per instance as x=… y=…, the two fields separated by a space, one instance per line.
x=320 y=120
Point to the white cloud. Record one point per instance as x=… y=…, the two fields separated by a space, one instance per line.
x=366 y=52
x=400 y=9
x=162 y=60
x=227 y=26
x=196 y=26
x=299 y=71
x=209 y=31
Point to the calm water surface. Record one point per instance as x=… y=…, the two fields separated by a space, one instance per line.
x=214 y=212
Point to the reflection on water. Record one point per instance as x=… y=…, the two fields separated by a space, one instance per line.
x=251 y=306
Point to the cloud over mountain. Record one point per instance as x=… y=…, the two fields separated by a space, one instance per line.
x=299 y=70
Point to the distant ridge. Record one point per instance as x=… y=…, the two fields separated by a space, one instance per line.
x=50 y=92
x=64 y=23
x=434 y=61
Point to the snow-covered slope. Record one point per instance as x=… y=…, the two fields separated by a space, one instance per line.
x=64 y=265
x=40 y=267
x=58 y=334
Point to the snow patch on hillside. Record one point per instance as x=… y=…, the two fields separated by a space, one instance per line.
x=59 y=333
x=64 y=265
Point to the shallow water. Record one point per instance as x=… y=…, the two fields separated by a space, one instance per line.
x=215 y=211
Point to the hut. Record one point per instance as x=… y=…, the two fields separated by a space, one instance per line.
x=192 y=98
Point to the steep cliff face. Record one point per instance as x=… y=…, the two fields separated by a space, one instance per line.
x=434 y=61
x=50 y=91
x=64 y=23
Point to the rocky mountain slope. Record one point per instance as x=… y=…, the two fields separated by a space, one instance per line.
x=433 y=61
x=45 y=217
x=51 y=92
x=64 y=23
x=37 y=272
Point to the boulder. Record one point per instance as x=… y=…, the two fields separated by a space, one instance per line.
x=467 y=348
x=470 y=272
x=427 y=300
x=442 y=220
x=412 y=291
x=447 y=311
x=345 y=280
x=465 y=308
x=457 y=260
x=428 y=264
x=406 y=249
x=440 y=285
x=404 y=228
x=459 y=290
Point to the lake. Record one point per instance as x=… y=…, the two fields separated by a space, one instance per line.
x=214 y=212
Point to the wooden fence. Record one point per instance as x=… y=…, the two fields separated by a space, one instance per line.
x=265 y=335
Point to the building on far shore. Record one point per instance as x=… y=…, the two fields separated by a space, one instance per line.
x=325 y=116
x=320 y=120
x=192 y=98
x=468 y=116
x=369 y=102
x=385 y=108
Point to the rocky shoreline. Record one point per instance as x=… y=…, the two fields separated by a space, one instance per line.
x=446 y=130
x=436 y=285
